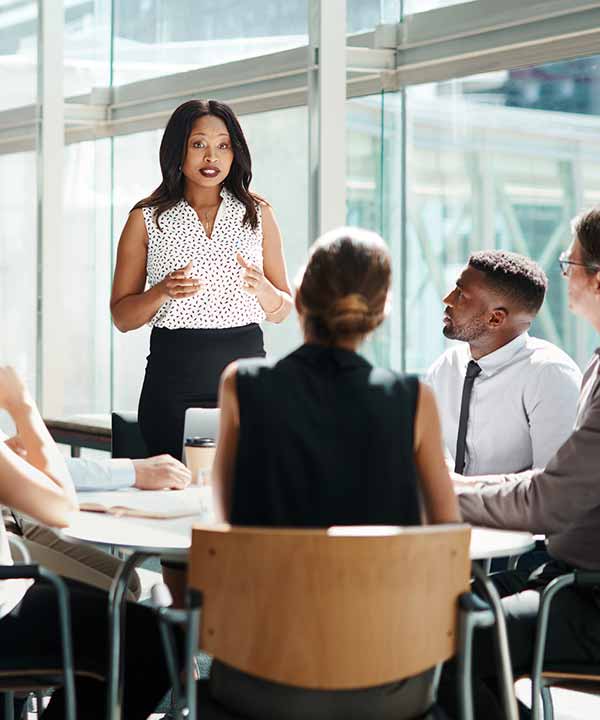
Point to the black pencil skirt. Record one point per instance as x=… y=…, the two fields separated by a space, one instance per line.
x=183 y=371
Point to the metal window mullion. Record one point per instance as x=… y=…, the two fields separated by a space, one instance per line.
x=327 y=115
x=50 y=147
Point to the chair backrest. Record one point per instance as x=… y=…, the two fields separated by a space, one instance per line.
x=200 y=422
x=127 y=440
x=346 y=607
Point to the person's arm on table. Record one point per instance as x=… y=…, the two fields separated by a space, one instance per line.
x=132 y=306
x=436 y=487
x=229 y=430
x=161 y=472
x=542 y=501
x=39 y=486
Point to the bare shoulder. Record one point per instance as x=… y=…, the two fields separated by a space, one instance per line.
x=425 y=395
x=269 y=221
x=426 y=405
x=228 y=378
x=136 y=220
x=134 y=233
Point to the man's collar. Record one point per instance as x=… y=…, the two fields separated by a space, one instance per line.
x=493 y=361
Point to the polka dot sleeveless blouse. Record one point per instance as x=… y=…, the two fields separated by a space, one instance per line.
x=222 y=303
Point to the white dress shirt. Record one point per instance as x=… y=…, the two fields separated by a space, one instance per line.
x=95 y=475
x=522 y=408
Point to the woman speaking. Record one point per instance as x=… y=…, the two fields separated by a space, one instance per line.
x=211 y=253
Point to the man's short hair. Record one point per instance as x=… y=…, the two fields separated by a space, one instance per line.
x=586 y=229
x=514 y=276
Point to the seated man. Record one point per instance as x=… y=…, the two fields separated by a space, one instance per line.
x=561 y=501
x=84 y=563
x=501 y=383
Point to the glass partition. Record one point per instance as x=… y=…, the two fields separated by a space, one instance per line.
x=18 y=53
x=152 y=40
x=87 y=46
x=18 y=263
x=373 y=200
x=500 y=160
x=86 y=277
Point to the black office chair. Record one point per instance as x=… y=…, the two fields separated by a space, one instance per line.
x=127 y=439
x=39 y=680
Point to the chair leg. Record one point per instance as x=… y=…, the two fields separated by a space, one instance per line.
x=9 y=705
x=39 y=703
x=547 y=703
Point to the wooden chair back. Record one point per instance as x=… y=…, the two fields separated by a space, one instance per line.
x=346 y=607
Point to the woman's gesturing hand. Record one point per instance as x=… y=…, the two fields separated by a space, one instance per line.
x=256 y=283
x=178 y=284
x=13 y=391
x=253 y=278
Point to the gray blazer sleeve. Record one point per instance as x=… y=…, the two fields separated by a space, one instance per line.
x=544 y=501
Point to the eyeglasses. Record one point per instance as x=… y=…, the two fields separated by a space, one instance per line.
x=564 y=263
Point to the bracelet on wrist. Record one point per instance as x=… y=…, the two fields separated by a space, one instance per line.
x=270 y=313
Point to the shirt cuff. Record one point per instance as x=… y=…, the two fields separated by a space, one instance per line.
x=122 y=473
x=96 y=475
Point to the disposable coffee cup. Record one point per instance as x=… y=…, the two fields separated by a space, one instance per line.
x=199 y=457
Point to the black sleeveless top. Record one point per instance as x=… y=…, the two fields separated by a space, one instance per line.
x=325 y=439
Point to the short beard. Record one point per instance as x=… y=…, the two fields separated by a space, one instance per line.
x=476 y=328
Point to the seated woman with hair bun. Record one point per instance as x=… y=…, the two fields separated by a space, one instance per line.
x=322 y=438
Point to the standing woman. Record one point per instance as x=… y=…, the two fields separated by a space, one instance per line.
x=211 y=253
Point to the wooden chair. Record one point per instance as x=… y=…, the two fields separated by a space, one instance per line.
x=581 y=678
x=337 y=609
x=38 y=680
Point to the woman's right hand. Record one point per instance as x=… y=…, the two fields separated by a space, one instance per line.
x=13 y=391
x=178 y=284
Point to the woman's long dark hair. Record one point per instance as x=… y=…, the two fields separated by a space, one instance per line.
x=173 y=148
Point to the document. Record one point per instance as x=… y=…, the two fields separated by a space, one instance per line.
x=152 y=504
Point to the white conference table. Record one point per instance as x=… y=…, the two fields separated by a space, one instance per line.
x=171 y=538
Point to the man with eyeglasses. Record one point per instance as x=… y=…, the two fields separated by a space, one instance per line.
x=562 y=501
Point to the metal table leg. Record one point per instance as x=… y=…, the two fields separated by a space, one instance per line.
x=507 y=680
x=116 y=630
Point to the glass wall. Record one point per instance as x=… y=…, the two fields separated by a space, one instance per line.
x=373 y=199
x=18 y=267
x=500 y=160
x=364 y=15
x=18 y=53
x=87 y=46
x=151 y=40
x=86 y=276
x=418 y=6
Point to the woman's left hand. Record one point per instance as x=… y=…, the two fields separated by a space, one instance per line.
x=253 y=278
x=256 y=283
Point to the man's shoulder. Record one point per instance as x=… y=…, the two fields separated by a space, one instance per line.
x=543 y=355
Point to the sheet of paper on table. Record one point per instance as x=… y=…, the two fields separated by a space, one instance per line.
x=156 y=505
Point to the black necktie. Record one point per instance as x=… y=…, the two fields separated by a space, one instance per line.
x=473 y=371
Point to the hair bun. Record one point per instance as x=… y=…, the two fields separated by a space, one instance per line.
x=353 y=304
x=349 y=315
